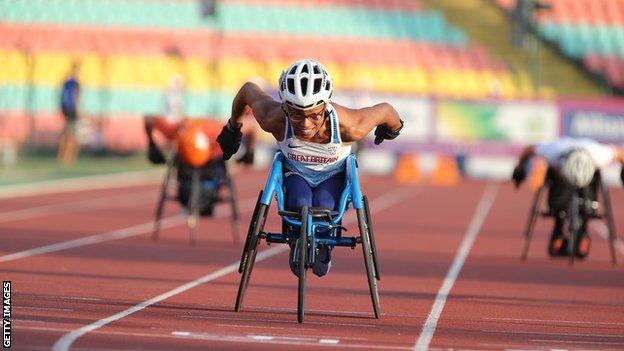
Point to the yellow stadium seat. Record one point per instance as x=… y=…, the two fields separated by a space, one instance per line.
x=51 y=68
x=14 y=69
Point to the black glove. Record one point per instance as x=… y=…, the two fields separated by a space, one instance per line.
x=622 y=174
x=247 y=158
x=518 y=176
x=229 y=139
x=383 y=133
x=154 y=155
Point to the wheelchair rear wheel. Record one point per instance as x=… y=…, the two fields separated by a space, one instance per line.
x=302 y=262
x=369 y=224
x=528 y=234
x=368 y=261
x=251 y=248
x=608 y=214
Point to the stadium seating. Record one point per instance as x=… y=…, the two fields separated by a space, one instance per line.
x=590 y=31
x=129 y=50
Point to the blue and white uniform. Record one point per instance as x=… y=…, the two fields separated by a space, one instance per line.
x=315 y=162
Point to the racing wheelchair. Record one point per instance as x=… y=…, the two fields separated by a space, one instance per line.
x=301 y=230
x=580 y=207
x=198 y=190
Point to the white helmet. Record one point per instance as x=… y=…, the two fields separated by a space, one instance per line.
x=578 y=168
x=305 y=84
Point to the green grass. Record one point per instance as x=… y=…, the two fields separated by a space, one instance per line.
x=40 y=168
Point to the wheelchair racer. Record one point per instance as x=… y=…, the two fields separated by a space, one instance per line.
x=314 y=134
x=572 y=166
x=210 y=169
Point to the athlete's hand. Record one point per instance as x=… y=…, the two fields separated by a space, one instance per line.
x=383 y=133
x=229 y=140
x=518 y=176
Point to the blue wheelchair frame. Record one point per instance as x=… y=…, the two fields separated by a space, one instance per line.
x=301 y=229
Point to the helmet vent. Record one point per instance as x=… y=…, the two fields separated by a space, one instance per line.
x=328 y=87
x=293 y=70
x=304 y=86
x=316 y=70
x=291 y=85
x=304 y=69
x=317 y=85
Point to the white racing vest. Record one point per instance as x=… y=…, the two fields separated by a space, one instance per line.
x=315 y=162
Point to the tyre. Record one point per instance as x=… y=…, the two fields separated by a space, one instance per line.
x=371 y=235
x=368 y=261
x=250 y=250
x=303 y=253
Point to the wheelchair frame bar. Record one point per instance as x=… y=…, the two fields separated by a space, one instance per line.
x=330 y=241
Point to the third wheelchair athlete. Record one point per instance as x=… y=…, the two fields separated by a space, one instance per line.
x=573 y=166
x=314 y=135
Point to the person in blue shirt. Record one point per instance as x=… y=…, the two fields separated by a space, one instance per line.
x=70 y=101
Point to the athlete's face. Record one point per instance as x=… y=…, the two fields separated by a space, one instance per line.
x=306 y=123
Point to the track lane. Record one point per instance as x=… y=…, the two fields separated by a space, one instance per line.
x=500 y=302
x=71 y=287
x=339 y=304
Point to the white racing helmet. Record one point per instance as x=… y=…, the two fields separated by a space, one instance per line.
x=578 y=168
x=305 y=84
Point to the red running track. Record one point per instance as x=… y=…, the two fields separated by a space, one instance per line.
x=119 y=290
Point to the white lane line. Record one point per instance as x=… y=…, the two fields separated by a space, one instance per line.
x=560 y=334
x=66 y=340
x=603 y=230
x=576 y=342
x=77 y=206
x=286 y=328
x=222 y=338
x=483 y=208
x=95 y=239
x=385 y=201
x=329 y=341
x=292 y=341
x=263 y=320
x=167 y=222
x=547 y=321
x=100 y=181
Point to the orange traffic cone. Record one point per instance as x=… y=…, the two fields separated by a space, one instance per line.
x=537 y=173
x=407 y=170
x=445 y=172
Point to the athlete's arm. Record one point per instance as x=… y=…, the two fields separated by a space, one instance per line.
x=263 y=108
x=356 y=124
x=519 y=173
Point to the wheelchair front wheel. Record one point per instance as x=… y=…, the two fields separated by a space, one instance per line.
x=303 y=253
x=574 y=225
x=368 y=261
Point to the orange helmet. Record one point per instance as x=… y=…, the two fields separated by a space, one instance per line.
x=193 y=146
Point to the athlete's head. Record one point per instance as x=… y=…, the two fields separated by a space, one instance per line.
x=578 y=168
x=304 y=88
x=305 y=84
x=193 y=146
